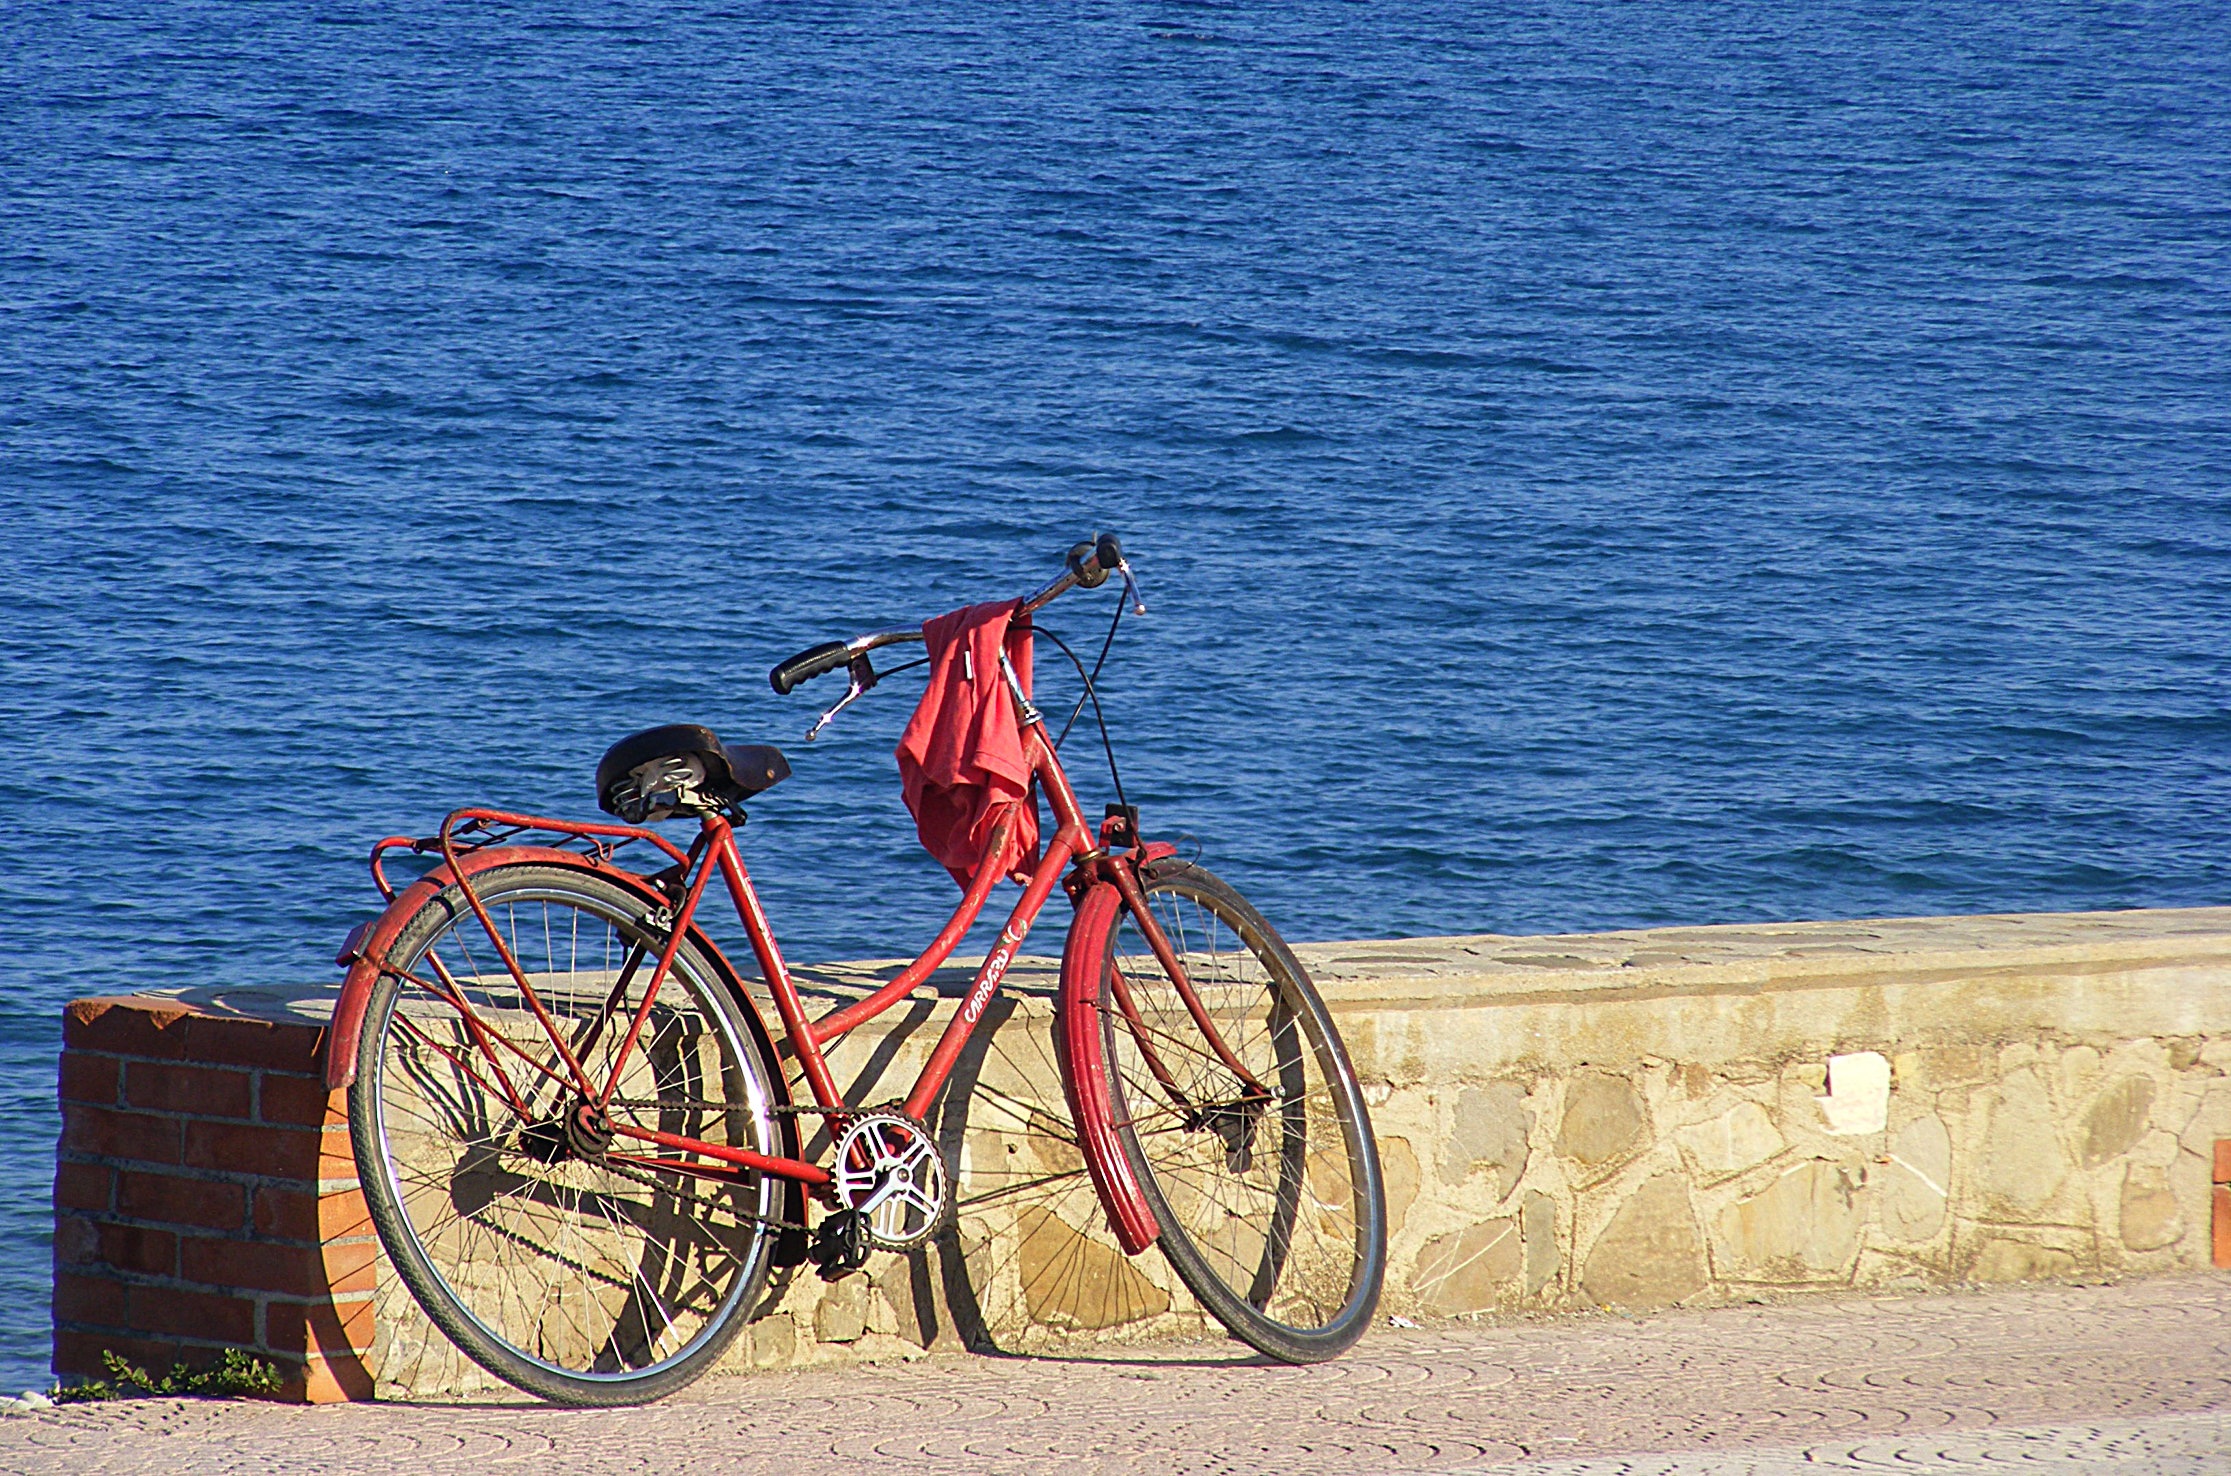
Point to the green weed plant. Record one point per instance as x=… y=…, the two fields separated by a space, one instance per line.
x=234 y=1376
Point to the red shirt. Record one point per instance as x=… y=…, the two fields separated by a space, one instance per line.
x=961 y=760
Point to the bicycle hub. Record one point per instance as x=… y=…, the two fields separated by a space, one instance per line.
x=588 y=1132
x=581 y=1131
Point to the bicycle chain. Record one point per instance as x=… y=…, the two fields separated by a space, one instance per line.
x=642 y=1176
x=704 y=1106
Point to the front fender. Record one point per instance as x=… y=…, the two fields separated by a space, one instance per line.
x=365 y=954
x=1084 y=1073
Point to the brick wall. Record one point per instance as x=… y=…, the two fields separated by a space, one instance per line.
x=205 y=1198
x=2220 y=1204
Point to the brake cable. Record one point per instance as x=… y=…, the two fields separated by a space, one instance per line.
x=1091 y=694
x=1088 y=680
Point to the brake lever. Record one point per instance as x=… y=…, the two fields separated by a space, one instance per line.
x=863 y=678
x=1131 y=587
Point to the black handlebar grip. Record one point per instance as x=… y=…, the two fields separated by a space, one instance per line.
x=1093 y=562
x=808 y=664
x=1084 y=566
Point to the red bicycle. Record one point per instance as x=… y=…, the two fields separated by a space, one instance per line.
x=579 y=1146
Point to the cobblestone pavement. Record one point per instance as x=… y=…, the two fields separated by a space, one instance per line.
x=2132 y=1378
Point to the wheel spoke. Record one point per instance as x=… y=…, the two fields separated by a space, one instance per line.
x=573 y=1279
x=1269 y=1206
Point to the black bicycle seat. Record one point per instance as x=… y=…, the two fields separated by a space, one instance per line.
x=682 y=769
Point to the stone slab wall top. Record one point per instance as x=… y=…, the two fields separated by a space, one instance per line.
x=1741 y=957
x=1496 y=968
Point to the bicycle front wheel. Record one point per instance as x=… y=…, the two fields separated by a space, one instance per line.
x=566 y=1257
x=1243 y=1122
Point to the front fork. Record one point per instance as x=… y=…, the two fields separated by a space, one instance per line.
x=1123 y=873
x=1105 y=887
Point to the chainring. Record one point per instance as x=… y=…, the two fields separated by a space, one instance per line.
x=890 y=1170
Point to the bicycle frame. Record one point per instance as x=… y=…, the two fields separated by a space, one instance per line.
x=1073 y=844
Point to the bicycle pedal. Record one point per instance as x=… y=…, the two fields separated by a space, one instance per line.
x=841 y=1245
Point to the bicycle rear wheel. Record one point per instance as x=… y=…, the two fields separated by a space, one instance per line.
x=1269 y=1198
x=573 y=1262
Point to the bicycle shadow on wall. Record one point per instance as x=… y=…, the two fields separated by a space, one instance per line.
x=461 y=1175
x=1025 y=1263
x=1029 y=1267
x=1019 y=1261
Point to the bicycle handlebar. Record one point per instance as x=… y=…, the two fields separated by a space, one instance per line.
x=1090 y=564
x=808 y=664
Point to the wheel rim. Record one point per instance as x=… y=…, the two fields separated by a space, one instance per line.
x=1267 y=1193
x=549 y=1237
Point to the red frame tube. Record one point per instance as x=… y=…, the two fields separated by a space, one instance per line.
x=518 y=975
x=1134 y=899
x=788 y=1168
x=776 y=973
x=717 y=833
x=1068 y=842
x=837 y=1022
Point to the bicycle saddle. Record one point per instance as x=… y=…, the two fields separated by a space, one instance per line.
x=682 y=769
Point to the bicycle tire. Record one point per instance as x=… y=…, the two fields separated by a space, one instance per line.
x=579 y=1280
x=1273 y=1216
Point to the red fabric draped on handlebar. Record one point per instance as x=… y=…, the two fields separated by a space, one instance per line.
x=961 y=760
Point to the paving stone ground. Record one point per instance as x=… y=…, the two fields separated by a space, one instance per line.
x=2134 y=1378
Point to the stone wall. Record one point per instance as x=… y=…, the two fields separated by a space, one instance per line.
x=1641 y=1119
x=1630 y=1120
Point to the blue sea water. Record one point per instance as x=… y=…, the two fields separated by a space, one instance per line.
x=1589 y=464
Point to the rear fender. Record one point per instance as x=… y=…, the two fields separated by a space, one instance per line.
x=1084 y=1075
x=365 y=953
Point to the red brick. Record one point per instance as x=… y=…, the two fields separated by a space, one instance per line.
x=137 y=1248
x=2222 y=1227
x=190 y=1087
x=193 y=1314
x=80 y=1353
x=269 y=1044
x=329 y=1381
x=83 y=1186
x=263 y=1265
x=2223 y=1161
x=85 y=1078
x=301 y=1101
x=321 y=1327
x=351 y=1269
x=77 y=1241
x=107 y=1133
x=287 y=1214
x=280 y=1153
x=181 y=1199
x=299 y=1214
x=249 y=1263
x=95 y=1299
x=127 y=1026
